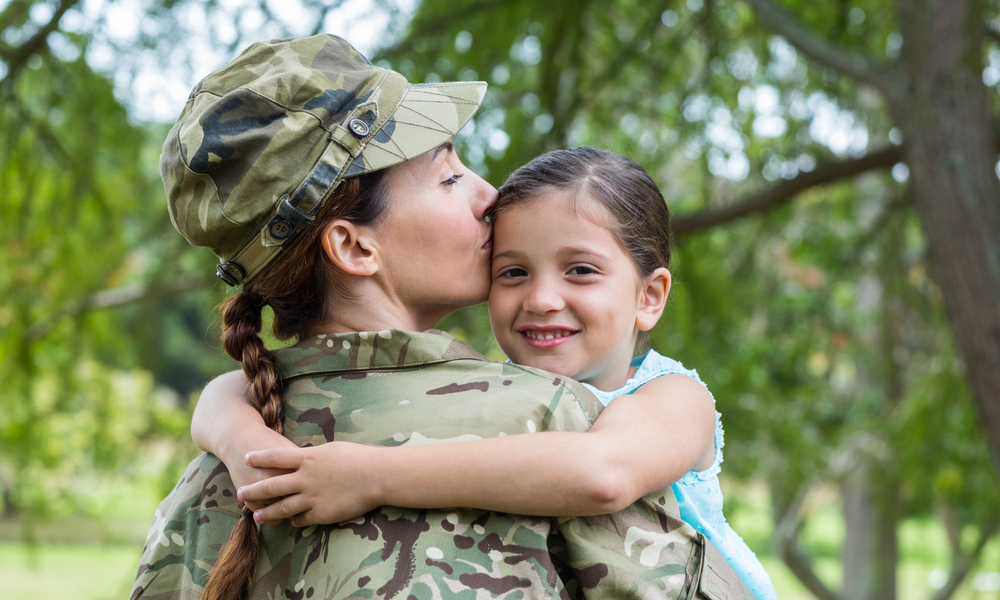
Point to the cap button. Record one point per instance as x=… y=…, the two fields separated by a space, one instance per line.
x=358 y=127
x=281 y=228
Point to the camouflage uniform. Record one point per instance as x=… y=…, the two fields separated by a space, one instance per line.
x=394 y=388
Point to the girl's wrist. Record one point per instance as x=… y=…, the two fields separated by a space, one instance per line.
x=232 y=451
x=253 y=437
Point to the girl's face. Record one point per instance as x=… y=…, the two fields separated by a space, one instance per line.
x=435 y=245
x=565 y=294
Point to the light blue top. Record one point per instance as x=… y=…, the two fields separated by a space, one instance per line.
x=698 y=494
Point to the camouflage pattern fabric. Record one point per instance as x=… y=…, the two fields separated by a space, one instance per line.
x=263 y=141
x=396 y=388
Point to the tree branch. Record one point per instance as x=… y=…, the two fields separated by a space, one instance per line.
x=962 y=563
x=325 y=10
x=117 y=297
x=42 y=128
x=433 y=27
x=776 y=18
x=785 y=191
x=786 y=538
x=992 y=34
x=17 y=57
x=951 y=528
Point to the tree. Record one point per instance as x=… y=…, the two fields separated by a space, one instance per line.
x=816 y=288
x=937 y=98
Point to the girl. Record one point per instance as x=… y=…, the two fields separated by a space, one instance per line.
x=579 y=268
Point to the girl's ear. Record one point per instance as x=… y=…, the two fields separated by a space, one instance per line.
x=653 y=299
x=350 y=248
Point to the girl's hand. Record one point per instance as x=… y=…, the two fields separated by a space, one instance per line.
x=243 y=474
x=226 y=425
x=329 y=483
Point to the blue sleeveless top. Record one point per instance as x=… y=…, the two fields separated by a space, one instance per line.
x=698 y=494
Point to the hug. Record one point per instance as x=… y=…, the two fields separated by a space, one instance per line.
x=380 y=458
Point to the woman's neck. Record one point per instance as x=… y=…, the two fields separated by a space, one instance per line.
x=367 y=307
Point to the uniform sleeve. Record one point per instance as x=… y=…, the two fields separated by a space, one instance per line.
x=642 y=551
x=189 y=527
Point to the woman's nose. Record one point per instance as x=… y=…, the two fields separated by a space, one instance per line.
x=487 y=197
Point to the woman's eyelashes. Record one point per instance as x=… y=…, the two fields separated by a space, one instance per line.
x=452 y=180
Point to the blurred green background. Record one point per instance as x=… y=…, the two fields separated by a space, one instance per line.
x=806 y=291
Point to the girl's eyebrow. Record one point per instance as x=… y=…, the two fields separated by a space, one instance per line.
x=509 y=254
x=574 y=251
x=568 y=251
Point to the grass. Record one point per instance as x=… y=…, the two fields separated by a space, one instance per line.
x=79 y=571
x=923 y=548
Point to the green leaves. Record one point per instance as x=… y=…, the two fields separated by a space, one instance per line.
x=80 y=213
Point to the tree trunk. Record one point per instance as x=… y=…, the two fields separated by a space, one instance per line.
x=870 y=549
x=942 y=106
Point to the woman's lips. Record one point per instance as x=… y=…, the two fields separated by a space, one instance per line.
x=546 y=338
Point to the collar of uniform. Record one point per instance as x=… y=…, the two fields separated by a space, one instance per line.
x=370 y=350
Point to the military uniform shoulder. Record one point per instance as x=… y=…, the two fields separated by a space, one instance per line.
x=581 y=394
x=371 y=351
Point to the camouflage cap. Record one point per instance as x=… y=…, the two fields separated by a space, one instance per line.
x=263 y=141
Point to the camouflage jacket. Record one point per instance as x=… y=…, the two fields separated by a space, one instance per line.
x=395 y=388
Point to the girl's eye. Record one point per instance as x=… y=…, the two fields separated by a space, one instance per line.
x=452 y=180
x=512 y=272
x=582 y=270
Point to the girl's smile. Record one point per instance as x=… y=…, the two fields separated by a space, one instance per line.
x=545 y=337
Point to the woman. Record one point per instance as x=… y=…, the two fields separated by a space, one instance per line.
x=331 y=191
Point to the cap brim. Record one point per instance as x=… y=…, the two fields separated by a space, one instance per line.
x=428 y=115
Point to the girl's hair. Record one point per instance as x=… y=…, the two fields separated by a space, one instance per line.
x=295 y=285
x=641 y=221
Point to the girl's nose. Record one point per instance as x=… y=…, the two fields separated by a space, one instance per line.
x=543 y=299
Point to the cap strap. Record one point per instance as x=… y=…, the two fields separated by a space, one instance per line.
x=347 y=139
x=297 y=211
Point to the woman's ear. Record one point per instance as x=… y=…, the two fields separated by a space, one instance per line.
x=350 y=248
x=652 y=299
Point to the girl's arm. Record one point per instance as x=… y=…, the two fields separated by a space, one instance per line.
x=226 y=425
x=640 y=443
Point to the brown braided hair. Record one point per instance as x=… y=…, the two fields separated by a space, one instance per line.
x=295 y=285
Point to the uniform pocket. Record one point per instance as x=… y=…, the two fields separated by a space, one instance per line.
x=717 y=580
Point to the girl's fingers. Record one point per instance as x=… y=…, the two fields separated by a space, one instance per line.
x=254 y=506
x=305 y=519
x=267 y=490
x=275 y=458
x=280 y=510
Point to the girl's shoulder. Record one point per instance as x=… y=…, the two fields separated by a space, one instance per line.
x=651 y=365
x=654 y=365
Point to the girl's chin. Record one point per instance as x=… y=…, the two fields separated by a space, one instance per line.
x=547 y=363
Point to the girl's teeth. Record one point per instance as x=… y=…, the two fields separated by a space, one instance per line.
x=549 y=335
